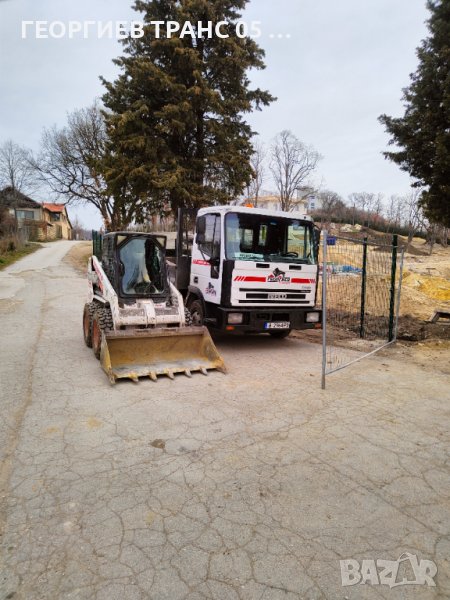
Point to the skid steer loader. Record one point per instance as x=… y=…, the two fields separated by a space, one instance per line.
x=135 y=319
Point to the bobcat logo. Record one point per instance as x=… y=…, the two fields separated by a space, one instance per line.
x=278 y=276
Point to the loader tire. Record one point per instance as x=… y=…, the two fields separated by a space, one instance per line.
x=102 y=322
x=197 y=313
x=188 y=317
x=88 y=315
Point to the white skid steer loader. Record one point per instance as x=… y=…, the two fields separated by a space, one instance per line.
x=135 y=319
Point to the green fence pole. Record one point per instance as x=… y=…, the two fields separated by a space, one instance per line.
x=392 y=295
x=363 y=290
x=324 y=308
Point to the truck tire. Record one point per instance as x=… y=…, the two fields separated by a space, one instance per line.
x=197 y=313
x=101 y=323
x=281 y=334
x=188 y=317
x=88 y=315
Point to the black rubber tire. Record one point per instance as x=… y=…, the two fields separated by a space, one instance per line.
x=197 y=313
x=188 y=317
x=88 y=315
x=102 y=322
x=281 y=334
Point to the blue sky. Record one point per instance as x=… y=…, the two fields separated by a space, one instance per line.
x=344 y=64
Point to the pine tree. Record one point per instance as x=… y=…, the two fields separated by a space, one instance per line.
x=423 y=133
x=175 y=114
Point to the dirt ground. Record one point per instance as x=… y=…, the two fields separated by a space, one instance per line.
x=426 y=282
x=78 y=256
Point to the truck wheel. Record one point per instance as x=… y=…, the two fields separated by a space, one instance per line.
x=188 y=317
x=102 y=322
x=88 y=315
x=280 y=335
x=198 y=315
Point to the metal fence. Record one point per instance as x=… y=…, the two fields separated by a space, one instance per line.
x=361 y=288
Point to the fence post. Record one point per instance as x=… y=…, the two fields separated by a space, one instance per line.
x=392 y=295
x=399 y=294
x=324 y=307
x=363 y=289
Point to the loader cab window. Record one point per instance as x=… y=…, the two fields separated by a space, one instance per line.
x=258 y=237
x=142 y=267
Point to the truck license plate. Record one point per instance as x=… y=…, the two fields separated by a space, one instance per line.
x=277 y=325
x=276 y=296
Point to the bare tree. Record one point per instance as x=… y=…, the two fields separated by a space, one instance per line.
x=395 y=211
x=329 y=201
x=378 y=207
x=365 y=202
x=292 y=163
x=70 y=164
x=414 y=217
x=68 y=158
x=257 y=163
x=331 y=205
x=16 y=171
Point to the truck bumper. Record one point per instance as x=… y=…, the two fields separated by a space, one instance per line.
x=254 y=320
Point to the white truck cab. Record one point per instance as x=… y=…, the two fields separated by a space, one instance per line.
x=252 y=270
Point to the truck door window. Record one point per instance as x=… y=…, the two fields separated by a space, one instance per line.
x=210 y=247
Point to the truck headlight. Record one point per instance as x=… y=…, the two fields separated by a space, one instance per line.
x=235 y=318
x=312 y=317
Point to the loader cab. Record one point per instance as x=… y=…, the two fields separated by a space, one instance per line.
x=135 y=265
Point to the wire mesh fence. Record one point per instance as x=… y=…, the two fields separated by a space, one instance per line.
x=361 y=286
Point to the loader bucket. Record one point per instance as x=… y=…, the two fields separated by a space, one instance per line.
x=153 y=352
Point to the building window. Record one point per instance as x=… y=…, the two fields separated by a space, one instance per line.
x=56 y=217
x=25 y=214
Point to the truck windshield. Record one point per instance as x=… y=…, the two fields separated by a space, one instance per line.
x=270 y=239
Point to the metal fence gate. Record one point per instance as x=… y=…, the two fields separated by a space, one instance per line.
x=361 y=288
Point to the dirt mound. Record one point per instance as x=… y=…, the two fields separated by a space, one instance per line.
x=414 y=330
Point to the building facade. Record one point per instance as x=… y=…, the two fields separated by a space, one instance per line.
x=35 y=221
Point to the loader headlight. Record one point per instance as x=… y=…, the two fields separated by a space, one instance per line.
x=312 y=317
x=235 y=318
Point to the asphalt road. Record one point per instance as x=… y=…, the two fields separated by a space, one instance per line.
x=246 y=486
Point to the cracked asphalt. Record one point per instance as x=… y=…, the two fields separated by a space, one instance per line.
x=246 y=486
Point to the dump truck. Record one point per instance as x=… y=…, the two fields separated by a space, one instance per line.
x=247 y=269
x=135 y=319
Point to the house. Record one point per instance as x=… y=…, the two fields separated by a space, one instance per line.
x=314 y=203
x=35 y=221
x=20 y=206
x=26 y=214
x=56 y=216
x=273 y=202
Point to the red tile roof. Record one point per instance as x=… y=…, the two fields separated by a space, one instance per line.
x=57 y=208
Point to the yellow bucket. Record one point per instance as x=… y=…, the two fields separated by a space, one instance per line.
x=159 y=351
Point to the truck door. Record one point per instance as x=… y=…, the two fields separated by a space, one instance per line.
x=206 y=270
